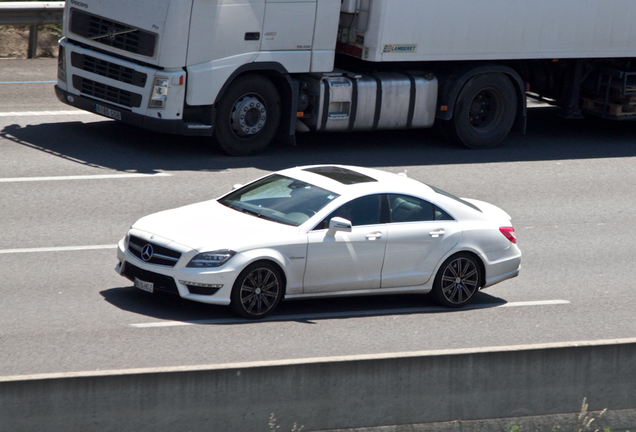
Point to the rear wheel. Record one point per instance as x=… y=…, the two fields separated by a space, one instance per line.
x=248 y=116
x=257 y=291
x=457 y=281
x=484 y=112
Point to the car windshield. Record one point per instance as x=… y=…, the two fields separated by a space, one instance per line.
x=280 y=199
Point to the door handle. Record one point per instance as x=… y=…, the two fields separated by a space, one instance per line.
x=437 y=233
x=374 y=236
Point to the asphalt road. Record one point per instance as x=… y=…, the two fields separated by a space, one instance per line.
x=71 y=183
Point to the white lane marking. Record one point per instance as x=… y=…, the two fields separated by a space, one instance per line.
x=43 y=113
x=28 y=82
x=57 y=249
x=83 y=177
x=352 y=314
x=535 y=303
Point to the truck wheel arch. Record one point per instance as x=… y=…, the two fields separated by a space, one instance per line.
x=287 y=87
x=451 y=85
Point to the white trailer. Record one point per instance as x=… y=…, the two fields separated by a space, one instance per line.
x=247 y=72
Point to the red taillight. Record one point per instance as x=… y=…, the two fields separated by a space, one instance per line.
x=509 y=232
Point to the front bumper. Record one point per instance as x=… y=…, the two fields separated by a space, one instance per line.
x=179 y=280
x=178 y=127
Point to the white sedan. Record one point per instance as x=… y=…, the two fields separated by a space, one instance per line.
x=322 y=231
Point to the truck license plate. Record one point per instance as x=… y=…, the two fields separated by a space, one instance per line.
x=107 y=112
x=143 y=285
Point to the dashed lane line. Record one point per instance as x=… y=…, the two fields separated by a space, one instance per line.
x=57 y=249
x=83 y=177
x=44 y=113
x=351 y=314
x=28 y=82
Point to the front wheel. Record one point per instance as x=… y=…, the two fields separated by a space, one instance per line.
x=457 y=281
x=484 y=112
x=248 y=116
x=257 y=291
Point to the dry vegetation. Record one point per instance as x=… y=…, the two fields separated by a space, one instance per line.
x=14 y=41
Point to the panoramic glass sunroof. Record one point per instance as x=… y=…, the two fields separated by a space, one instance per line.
x=342 y=175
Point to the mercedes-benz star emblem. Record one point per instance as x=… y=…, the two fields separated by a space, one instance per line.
x=146 y=253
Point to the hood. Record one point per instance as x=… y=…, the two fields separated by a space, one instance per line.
x=162 y=25
x=211 y=226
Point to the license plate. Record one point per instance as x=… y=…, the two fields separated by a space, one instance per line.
x=145 y=286
x=107 y=112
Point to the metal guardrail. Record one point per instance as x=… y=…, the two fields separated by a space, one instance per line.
x=33 y=14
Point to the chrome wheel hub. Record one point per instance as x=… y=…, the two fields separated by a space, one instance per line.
x=248 y=116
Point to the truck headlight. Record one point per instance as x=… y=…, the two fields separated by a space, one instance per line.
x=61 y=64
x=159 y=93
x=211 y=259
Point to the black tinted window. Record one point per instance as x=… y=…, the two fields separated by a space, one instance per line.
x=361 y=211
x=406 y=208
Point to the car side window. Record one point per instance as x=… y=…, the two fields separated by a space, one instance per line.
x=365 y=210
x=405 y=208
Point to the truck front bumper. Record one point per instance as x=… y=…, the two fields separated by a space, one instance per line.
x=178 y=127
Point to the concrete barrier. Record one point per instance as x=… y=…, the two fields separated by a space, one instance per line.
x=330 y=393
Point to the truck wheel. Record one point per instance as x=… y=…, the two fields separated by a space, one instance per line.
x=484 y=112
x=247 y=116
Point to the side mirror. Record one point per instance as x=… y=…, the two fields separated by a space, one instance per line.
x=338 y=224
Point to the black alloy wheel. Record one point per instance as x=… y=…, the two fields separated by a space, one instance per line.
x=257 y=291
x=457 y=281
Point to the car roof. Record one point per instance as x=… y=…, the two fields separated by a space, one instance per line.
x=346 y=180
x=330 y=177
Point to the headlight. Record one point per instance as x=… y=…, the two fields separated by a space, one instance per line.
x=159 y=93
x=61 y=64
x=211 y=259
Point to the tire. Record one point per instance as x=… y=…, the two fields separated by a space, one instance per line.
x=457 y=281
x=248 y=116
x=484 y=112
x=257 y=291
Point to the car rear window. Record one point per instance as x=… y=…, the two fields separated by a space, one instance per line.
x=446 y=194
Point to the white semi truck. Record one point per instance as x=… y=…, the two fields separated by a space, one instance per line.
x=248 y=72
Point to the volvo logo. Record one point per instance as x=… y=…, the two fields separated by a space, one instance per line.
x=146 y=252
x=112 y=33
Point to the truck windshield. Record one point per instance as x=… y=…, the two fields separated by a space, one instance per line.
x=279 y=199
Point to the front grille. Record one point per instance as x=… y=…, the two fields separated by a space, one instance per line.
x=106 y=92
x=160 y=282
x=160 y=255
x=108 y=69
x=113 y=34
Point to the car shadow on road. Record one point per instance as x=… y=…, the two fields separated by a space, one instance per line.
x=167 y=307
x=111 y=145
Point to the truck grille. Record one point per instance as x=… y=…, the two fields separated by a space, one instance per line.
x=159 y=255
x=113 y=34
x=161 y=282
x=106 y=92
x=108 y=69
